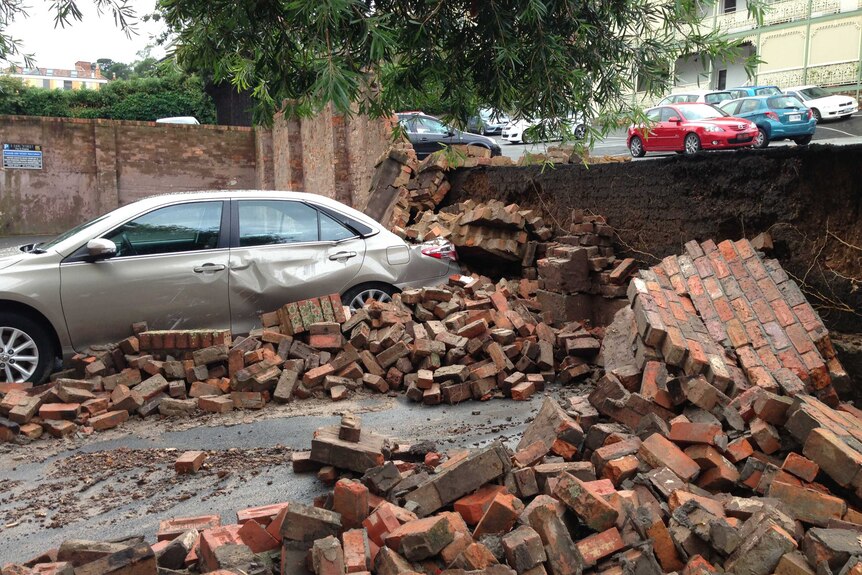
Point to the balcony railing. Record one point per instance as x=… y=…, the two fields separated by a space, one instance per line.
x=776 y=13
x=837 y=74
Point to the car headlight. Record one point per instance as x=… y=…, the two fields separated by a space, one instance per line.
x=713 y=129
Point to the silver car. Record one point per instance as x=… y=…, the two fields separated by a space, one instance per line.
x=196 y=260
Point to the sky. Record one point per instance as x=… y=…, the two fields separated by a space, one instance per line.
x=93 y=38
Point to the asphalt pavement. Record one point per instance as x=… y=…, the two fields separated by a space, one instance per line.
x=839 y=132
x=105 y=489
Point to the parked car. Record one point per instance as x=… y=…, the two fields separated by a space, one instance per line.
x=518 y=131
x=744 y=91
x=777 y=118
x=200 y=260
x=487 y=122
x=697 y=96
x=429 y=134
x=824 y=106
x=188 y=120
x=689 y=128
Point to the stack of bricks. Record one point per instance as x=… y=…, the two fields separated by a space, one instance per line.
x=679 y=494
x=724 y=311
x=485 y=229
x=583 y=261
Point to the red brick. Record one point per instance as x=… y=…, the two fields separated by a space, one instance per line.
x=211 y=539
x=500 y=515
x=586 y=502
x=421 y=538
x=472 y=507
x=658 y=451
x=686 y=432
x=357 y=551
x=263 y=514
x=257 y=537
x=350 y=499
x=808 y=505
x=380 y=523
x=601 y=545
x=738 y=450
x=801 y=467
x=60 y=411
x=169 y=529
x=618 y=470
x=190 y=462
x=765 y=435
x=108 y=420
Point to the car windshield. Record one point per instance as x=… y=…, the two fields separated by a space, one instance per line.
x=701 y=112
x=783 y=102
x=68 y=234
x=717 y=97
x=814 y=92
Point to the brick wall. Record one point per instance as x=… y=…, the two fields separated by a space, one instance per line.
x=329 y=154
x=93 y=166
x=808 y=199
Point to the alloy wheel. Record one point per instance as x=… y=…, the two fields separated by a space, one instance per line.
x=19 y=355
x=692 y=144
x=359 y=299
x=759 y=138
x=636 y=147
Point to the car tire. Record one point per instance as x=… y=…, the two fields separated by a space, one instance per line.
x=26 y=349
x=356 y=296
x=816 y=113
x=761 y=140
x=636 y=147
x=580 y=131
x=692 y=144
x=803 y=141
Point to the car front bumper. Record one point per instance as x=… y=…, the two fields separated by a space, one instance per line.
x=720 y=140
x=839 y=112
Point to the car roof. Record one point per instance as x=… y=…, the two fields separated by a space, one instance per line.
x=801 y=87
x=753 y=87
x=148 y=203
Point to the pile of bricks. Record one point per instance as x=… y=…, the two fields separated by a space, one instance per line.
x=569 y=155
x=486 y=229
x=682 y=492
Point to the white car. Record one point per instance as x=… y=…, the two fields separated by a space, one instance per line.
x=824 y=106
x=514 y=131
x=188 y=120
x=697 y=96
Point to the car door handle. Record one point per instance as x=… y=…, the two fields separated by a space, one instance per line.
x=209 y=268
x=342 y=256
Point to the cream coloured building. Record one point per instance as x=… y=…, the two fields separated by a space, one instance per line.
x=799 y=42
x=85 y=76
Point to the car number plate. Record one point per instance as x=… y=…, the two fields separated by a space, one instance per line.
x=795 y=117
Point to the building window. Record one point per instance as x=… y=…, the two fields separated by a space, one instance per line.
x=46 y=83
x=722 y=79
x=74 y=73
x=729 y=6
x=49 y=72
x=67 y=84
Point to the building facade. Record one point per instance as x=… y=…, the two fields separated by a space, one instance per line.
x=86 y=75
x=798 y=42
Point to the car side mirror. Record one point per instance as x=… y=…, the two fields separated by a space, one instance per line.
x=674 y=119
x=450 y=132
x=100 y=249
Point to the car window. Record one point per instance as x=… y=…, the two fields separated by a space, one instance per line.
x=784 y=102
x=266 y=222
x=186 y=227
x=692 y=98
x=667 y=114
x=767 y=91
x=409 y=124
x=654 y=115
x=333 y=231
x=748 y=106
x=717 y=97
x=702 y=112
x=738 y=94
x=813 y=93
x=426 y=125
x=666 y=100
x=730 y=107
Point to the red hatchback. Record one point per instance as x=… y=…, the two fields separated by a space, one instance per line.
x=689 y=128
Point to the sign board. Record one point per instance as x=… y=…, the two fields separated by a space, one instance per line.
x=22 y=156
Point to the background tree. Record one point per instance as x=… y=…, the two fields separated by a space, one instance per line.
x=534 y=58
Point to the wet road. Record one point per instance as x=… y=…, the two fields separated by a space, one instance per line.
x=89 y=492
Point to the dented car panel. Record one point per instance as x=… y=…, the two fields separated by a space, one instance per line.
x=264 y=278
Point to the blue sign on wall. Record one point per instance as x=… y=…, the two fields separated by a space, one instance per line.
x=22 y=156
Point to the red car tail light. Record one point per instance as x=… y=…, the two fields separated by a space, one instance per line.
x=440 y=251
x=772 y=115
x=809 y=113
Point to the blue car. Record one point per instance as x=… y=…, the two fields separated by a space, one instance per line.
x=777 y=118
x=745 y=91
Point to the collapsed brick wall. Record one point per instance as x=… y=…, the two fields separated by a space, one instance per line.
x=809 y=201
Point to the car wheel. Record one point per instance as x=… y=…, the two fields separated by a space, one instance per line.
x=816 y=113
x=26 y=349
x=761 y=140
x=580 y=132
x=803 y=141
x=356 y=297
x=636 y=147
x=692 y=144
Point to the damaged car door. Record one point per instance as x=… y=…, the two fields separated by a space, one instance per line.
x=284 y=251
